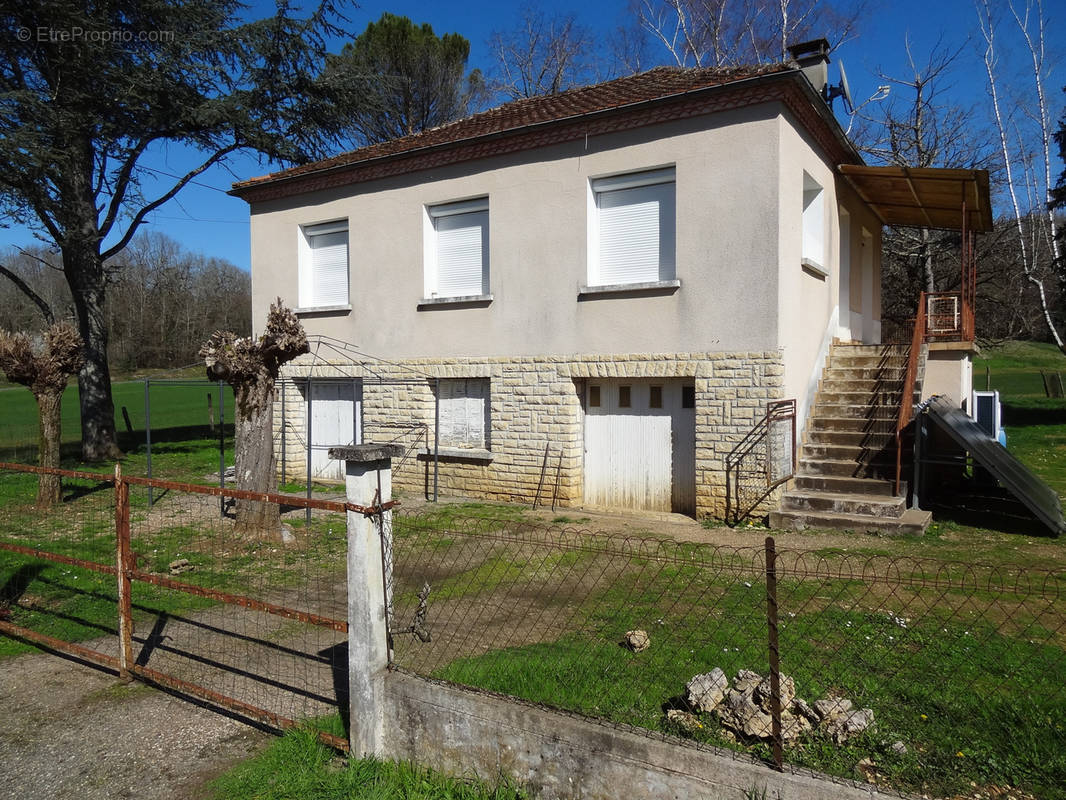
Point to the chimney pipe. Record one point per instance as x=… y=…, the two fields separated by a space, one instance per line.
x=813 y=59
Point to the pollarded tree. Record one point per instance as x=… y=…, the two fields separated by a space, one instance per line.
x=90 y=89
x=44 y=368
x=251 y=365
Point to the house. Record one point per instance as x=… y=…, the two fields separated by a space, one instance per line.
x=591 y=296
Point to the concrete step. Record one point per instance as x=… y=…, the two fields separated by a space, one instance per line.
x=880 y=425
x=846 y=451
x=883 y=469
x=860 y=411
x=860 y=385
x=886 y=398
x=848 y=361
x=840 y=503
x=867 y=440
x=844 y=485
x=913 y=522
x=872 y=349
x=887 y=375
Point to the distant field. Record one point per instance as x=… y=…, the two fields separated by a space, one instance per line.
x=172 y=406
x=1035 y=423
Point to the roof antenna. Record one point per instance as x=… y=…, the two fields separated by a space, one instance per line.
x=840 y=90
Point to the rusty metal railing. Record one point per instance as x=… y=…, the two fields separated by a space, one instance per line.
x=761 y=461
x=906 y=400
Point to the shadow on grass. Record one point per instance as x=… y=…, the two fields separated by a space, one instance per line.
x=1026 y=414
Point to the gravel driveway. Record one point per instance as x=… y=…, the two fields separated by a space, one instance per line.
x=68 y=730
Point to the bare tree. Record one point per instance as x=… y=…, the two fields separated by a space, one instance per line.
x=722 y=33
x=543 y=55
x=251 y=365
x=919 y=126
x=44 y=367
x=1024 y=130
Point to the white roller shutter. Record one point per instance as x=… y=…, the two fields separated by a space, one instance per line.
x=329 y=267
x=635 y=228
x=462 y=253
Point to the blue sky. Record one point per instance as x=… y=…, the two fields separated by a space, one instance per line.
x=203 y=218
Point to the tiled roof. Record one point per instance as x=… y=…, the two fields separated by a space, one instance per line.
x=661 y=82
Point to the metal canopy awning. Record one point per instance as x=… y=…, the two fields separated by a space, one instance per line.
x=924 y=197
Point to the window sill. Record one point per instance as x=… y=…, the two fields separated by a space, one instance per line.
x=615 y=289
x=457 y=454
x=464 y=301
x=814 y=268
x=310 y=310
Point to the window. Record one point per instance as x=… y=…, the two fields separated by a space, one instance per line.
x=632 y=228
x=813 y=223
x=625 y=396
x=464 y=413
x=594 y=396
x=324 y=265
x=655 y=400
x=457 y=249
x=688 y=396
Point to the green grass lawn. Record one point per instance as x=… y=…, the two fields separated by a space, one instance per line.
x=184 y=448
x=297 y=767
x=1035 y=424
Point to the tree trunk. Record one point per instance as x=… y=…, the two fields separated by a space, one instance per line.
x=48 y=486
x=254 y=460
x=85 y=275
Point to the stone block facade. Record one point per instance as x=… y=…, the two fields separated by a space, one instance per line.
x=535 y=403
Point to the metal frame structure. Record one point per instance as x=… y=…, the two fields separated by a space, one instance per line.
x=355 y=364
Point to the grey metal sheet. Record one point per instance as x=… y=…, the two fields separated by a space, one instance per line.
x=1014 y=476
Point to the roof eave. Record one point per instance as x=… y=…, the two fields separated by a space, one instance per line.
x=823 y=110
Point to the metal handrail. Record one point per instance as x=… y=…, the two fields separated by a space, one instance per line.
x=776 y=411
x=906 y=401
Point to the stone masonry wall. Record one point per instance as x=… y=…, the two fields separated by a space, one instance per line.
x=534 y=402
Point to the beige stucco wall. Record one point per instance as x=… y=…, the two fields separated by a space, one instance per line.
x=949 y=371
x=808 y=302
x=727 y=173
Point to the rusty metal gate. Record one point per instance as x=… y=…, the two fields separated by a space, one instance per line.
x=254 y=624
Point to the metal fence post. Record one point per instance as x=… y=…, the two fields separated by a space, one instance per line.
x=775 y=666
x=368 y=483
x=123 y=567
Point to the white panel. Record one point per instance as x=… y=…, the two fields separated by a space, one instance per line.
x=462 y=254
x=640 y=457
x=813 y=221
x=463 y=412
x=636 y=234
x=335 y=420
x=329 y=268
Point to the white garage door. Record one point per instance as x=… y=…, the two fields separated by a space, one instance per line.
x=640 y=445
x=336 y=419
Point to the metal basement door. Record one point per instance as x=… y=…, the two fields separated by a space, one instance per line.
x=336 y=419
x=640 y=448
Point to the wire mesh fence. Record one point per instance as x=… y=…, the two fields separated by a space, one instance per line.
x=173 y=414
x=915 y=675
x=253 y=614
x=251 y=618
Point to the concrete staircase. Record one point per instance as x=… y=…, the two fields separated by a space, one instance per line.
x=845 y=477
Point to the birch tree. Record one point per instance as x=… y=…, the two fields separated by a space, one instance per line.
x=543 y=55
x=1024 y=128
x=724 y=33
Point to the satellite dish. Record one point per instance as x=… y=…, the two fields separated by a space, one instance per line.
x=841 y=90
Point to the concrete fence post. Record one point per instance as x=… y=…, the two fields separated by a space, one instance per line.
x=368 y=482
